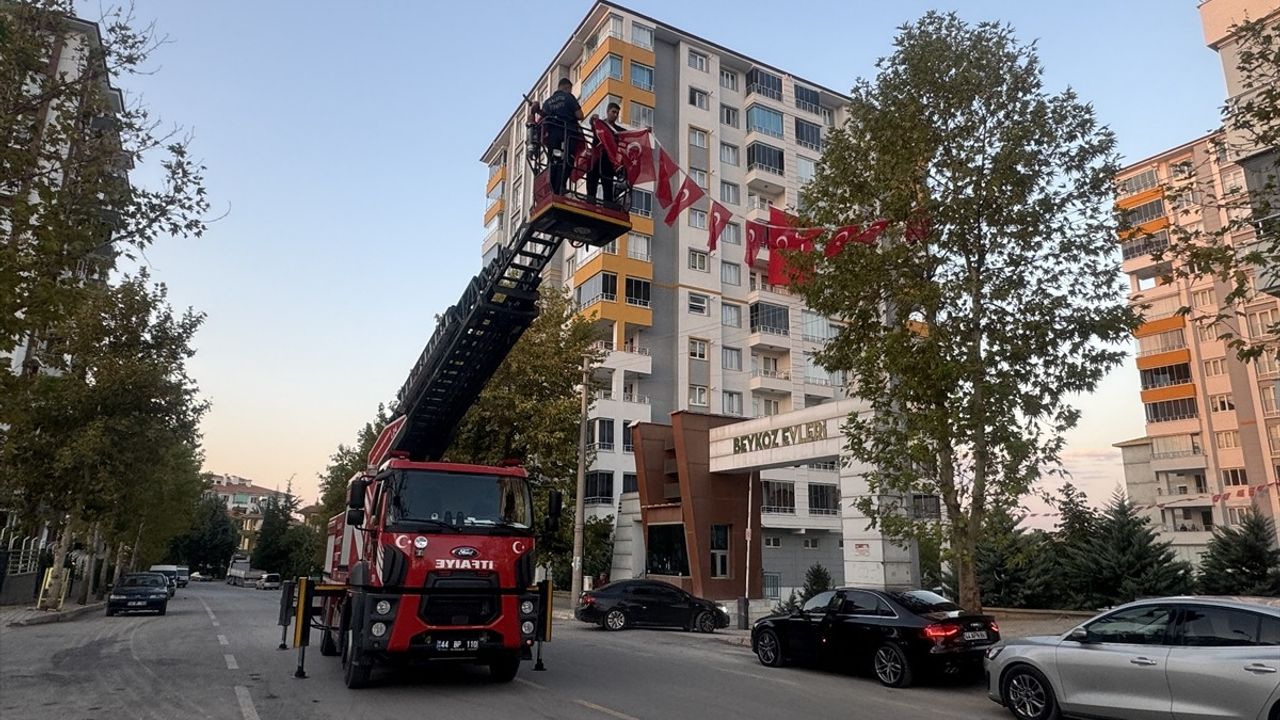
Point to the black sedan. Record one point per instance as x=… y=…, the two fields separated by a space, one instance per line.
x=651 y=603
x=139 y=592
x=895 y=635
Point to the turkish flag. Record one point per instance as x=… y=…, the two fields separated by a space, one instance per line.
x=873 y=232
x=842 y=236
x=637 y=156
x=715 y=224
x=582 y=159
x=783 y=249
x=757 y=237
x=605 y=141
x=781 y=218
x=917 y=229
x=688 y=194
x=667 y=170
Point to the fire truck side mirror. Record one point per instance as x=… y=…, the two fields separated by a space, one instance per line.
x=555 y=507
x=355 y=517
x=356 y=492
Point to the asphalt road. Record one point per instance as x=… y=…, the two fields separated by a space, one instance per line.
x=214 y=656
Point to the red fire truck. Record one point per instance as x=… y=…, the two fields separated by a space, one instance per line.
x=434 y=560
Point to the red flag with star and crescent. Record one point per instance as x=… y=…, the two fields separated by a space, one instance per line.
x=605 y=141
x=637 y=156
x=790 y=242
x=688 y=194
x=841 y=237
x=757 y=237
x=716 y=222
x=667 y=170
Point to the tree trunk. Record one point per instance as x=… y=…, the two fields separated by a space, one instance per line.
x=137 y=540
x=90 y=569
x=967 y=580
x=119 y=568
x=53 y=596
x=100 y=577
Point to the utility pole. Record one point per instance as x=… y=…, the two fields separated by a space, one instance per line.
x=579 y=499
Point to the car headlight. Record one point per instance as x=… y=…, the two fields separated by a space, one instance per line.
x=526 y=607
x=383 y=607
x=378 y=629
x=723 y=608
x=994 y=651
x=158 y=596
x=116 y=597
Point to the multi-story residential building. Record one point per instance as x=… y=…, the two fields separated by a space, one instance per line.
x=244 y=502
x=690 y=330
x=1212 y=421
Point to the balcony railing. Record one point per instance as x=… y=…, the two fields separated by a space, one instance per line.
x=1146 y=245
x=765 y=167
x=755 y=202
x=758 y=89
x=601 y=446
x=812 y=107
x=772 y=374
x=1171 y=454
x=605 y=345
x=638 y=302
x=778 y=509
x=1162 y=349
x=634 y=254
x=602 y=297
x=604 y=394
x=634 y=349
x=824 y=511
x=767 y=330
x=811 y=145
x=635 y=398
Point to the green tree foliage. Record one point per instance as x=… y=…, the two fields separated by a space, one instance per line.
x=1013 y=277
x=597 y=550
x=345 y=462
x=1243 y=560
x=272 y=551
x=208 y=546
x=1016 y=568
x=1122 y=561
x=816 y=580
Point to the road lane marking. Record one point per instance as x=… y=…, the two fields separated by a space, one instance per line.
x=209 y=611
x=531 y=683
x=217 y=624
x=607 y=711
x=222 y=640
x=246 y=703
x=231 y=662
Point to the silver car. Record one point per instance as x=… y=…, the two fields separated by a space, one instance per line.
x=1181 y=658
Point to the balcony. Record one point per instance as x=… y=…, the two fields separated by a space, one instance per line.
x=764 y=337
x=766 y=178
x=635 y=398
x=764 y=90
x=777 y=381
x=602 y=297
x=1180 y=460
x=778 y=510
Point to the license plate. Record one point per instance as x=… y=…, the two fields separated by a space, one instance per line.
x=457 y=645
x=977 y=635
x=136 y=603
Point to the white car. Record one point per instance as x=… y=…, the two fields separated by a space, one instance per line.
x=269 y=581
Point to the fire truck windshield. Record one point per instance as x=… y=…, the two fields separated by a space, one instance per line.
x=423 y=500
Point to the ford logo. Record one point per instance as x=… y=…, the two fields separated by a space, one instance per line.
x=465 y=552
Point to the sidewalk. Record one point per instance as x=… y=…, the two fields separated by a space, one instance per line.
x=22 y=615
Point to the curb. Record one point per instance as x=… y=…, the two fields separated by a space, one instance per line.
x=60 y=616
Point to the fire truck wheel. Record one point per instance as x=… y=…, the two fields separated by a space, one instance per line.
x=615 y=619
x=355 y=670
x=504 y=668
x=328 y=647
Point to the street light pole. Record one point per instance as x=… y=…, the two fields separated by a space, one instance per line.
x=579 y=500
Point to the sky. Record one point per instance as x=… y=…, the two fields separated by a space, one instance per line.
x=342 y=142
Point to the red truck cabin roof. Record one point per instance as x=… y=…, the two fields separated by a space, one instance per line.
x=513 y=471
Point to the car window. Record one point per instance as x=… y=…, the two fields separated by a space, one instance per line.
x=925 y=601
x=1270 y=633
x=642 y=591
x=1143 y=625
x=819 y=601
x=1219 y=627
x=857 y=602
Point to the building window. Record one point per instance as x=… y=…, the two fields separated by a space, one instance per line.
x=599 y=490
x=698 y=218
x=731 y=358
x=642 y=36
x=1207 y=333
x=728 y=80
x=699 y=177
x=779 y=497
x=805 y=169
x=1202 y=298
x=729 y=116
x=807 y=99
x=731 y=315
x=600 y=434
x=1228 y=439
x=601 y=287
x=732 y=402
x=1235 y=476
x=810 y=543
x=730 y=193
x=771 y=319
x=698 y=396
x=638 y=246
x=697 y=60
x=1161 y=342
x=764 y=83
x=666 y=553
x=719 y=551
x=697 y=348
x=628 y=445
x=1215 y=367
x=926 y=507
x=765 y=157
x=764 y=120
x=699 y=304
x=640 y=116
x=1267 y=365
x=698 y=261
x=697 y=138
x=824 y=499
x=638 y=292
x=1145 y=212
x=765 y=407
x=1179 y=374
x=732 y=234
x=808 y=135
x=772 y=584
x=730 y=273
x=630 y=483
x=816 y=328
x=609 y=67
x=1168 y=410
x=1263 y=322
x=641 y=202
x=699 y=98
x=772 y=541
x=1221 y=403
x=729 y=154
x=1135 y=184
x=641 y=76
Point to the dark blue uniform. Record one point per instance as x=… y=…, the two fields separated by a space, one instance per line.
x=560 y=134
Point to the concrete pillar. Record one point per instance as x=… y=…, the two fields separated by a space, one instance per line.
x=870 y=559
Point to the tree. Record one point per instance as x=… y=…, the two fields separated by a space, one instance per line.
x=1122 y=561
x=1235 y=251
x=816 y=580
x=967 y=338
x=271 y=549
x=1015 y=567
x=211 y=542
x=1242 y=560
x=345 y=462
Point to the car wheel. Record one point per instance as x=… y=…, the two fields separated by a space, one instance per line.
x=355 y=671
x=892 y=667
x=111 y=611
x=504 y=668
x=163 y=609
x=1028 y=694
x=769 y=649
x=615 y=620
x=705 y=622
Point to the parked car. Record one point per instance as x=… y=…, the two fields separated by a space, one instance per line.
x=269 y=581
x=170 y=572
x=897 y=636
x=139 y=592
x=628 y=603
x=1201 y=657
x=198 y=576
x=184 y=575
